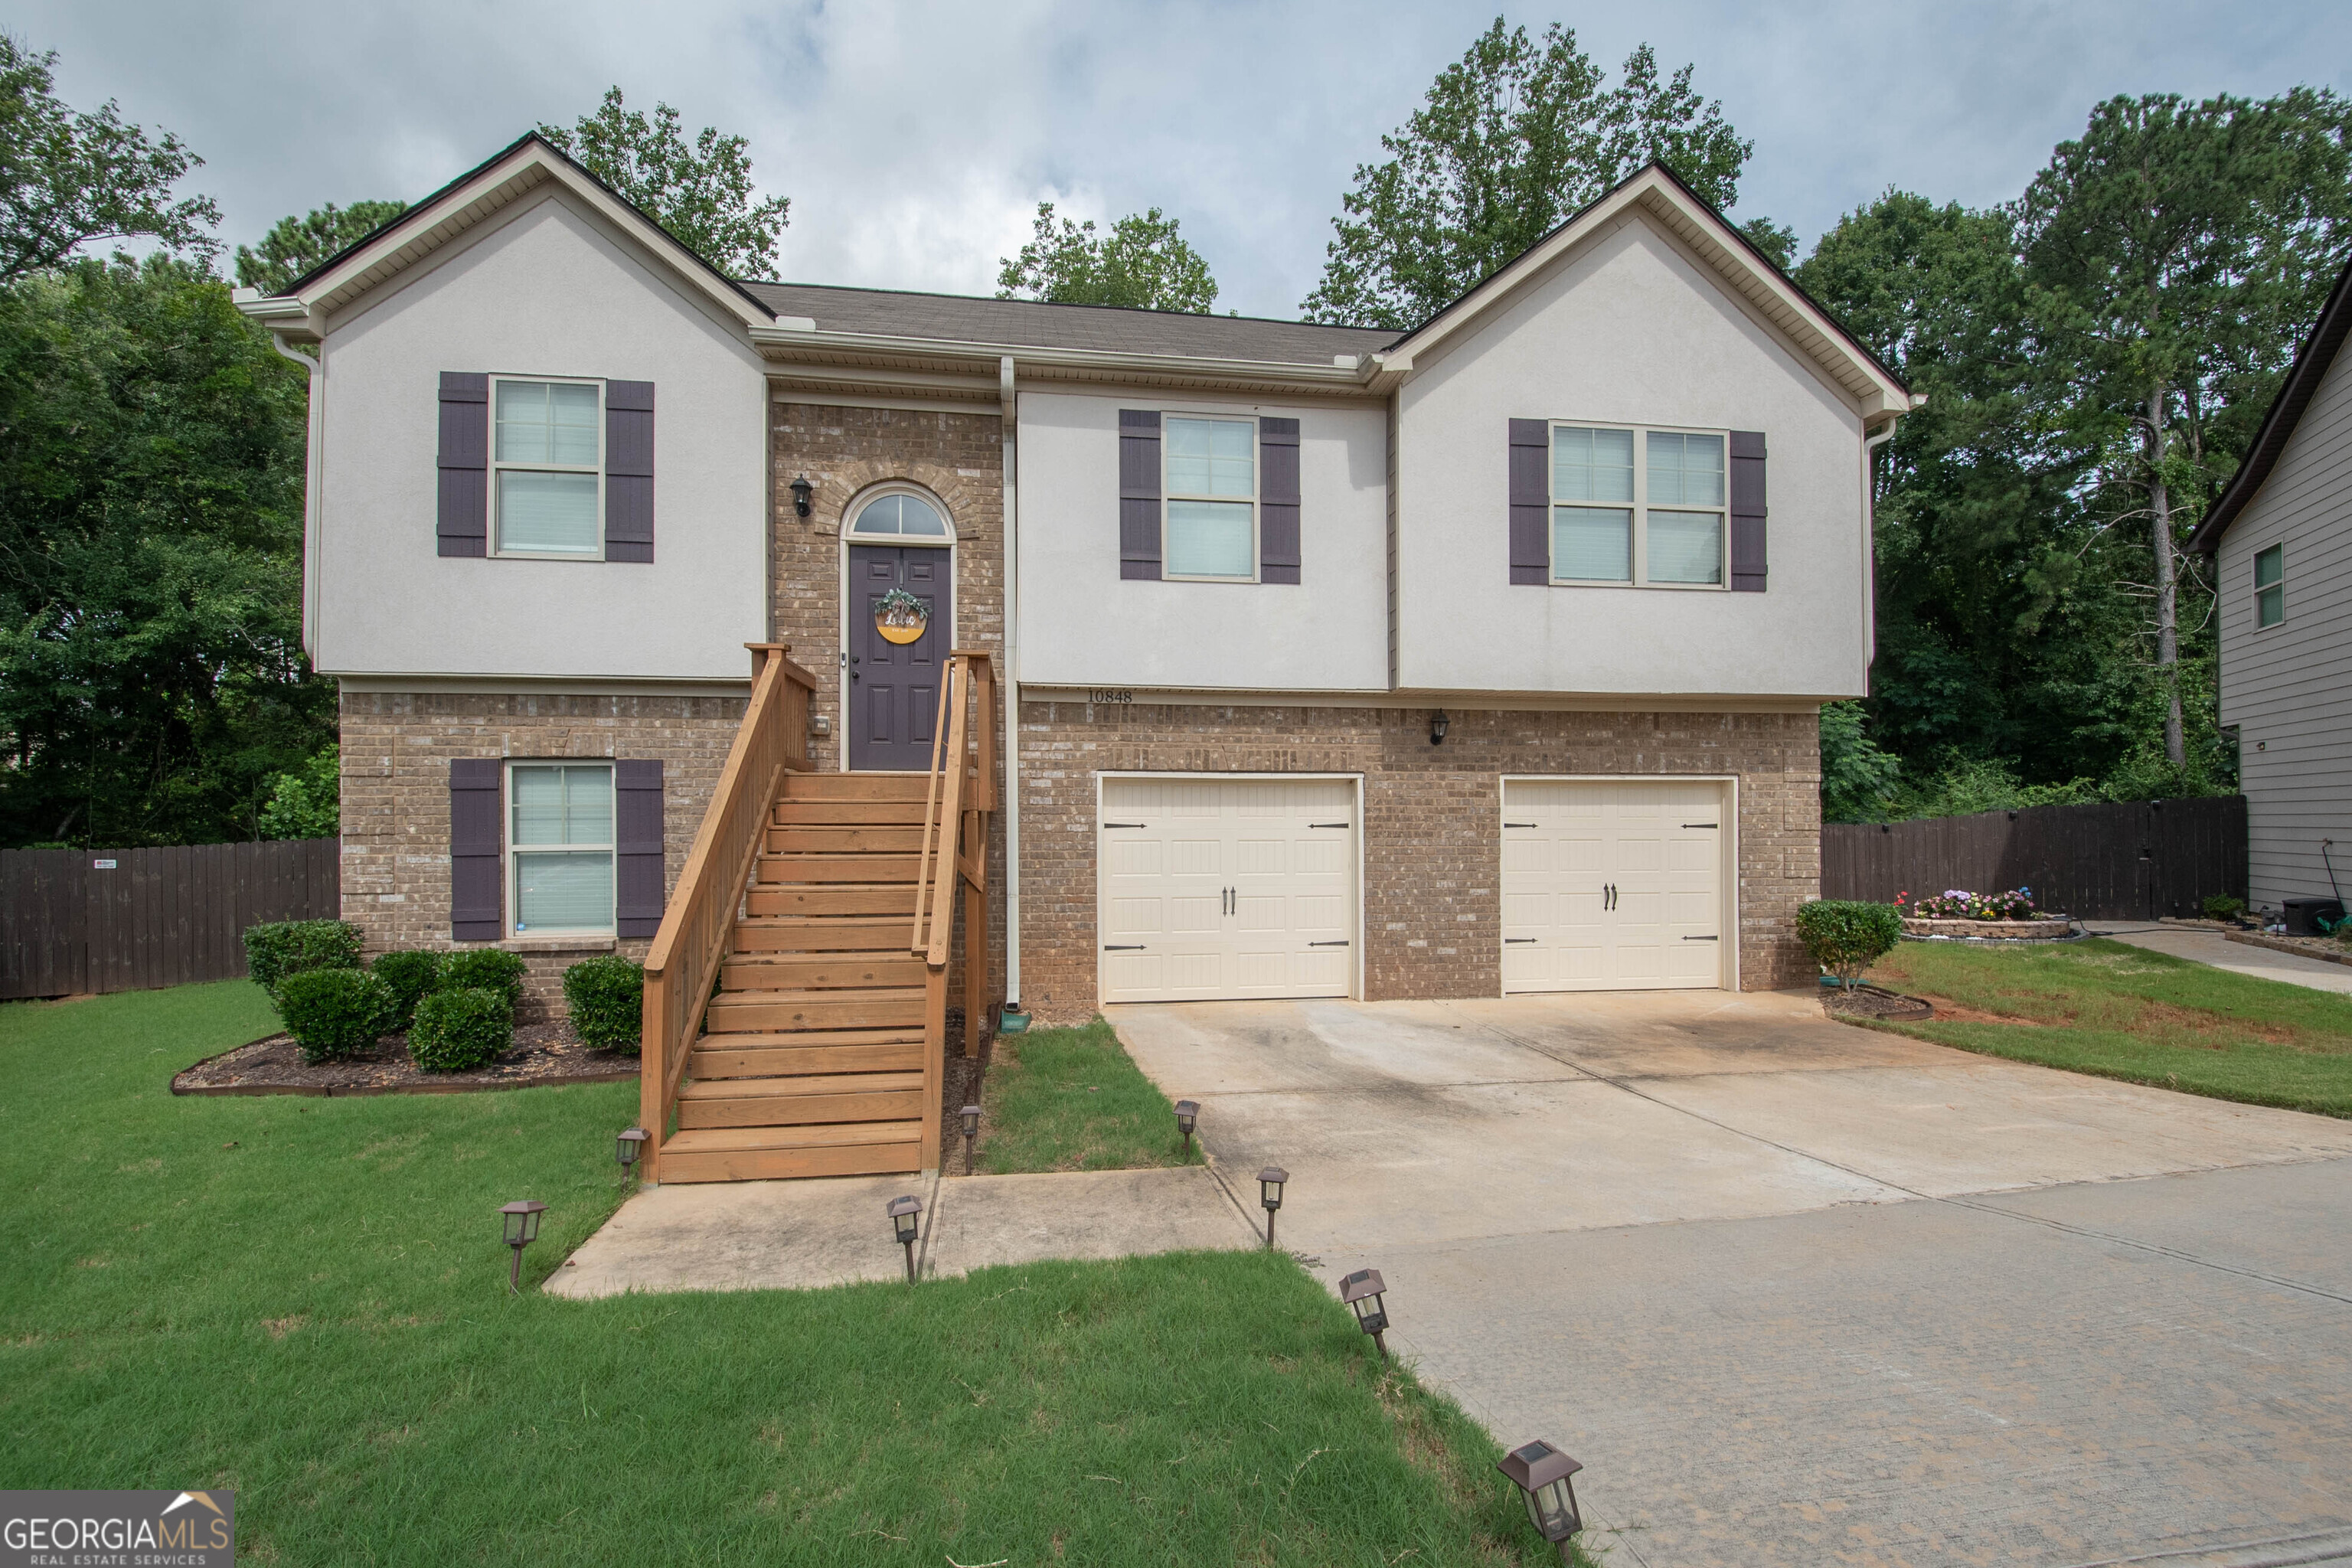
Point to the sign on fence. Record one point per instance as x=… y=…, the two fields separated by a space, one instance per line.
x=2135 y=861
x=133 y=919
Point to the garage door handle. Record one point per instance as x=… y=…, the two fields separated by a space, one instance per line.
x=1509 y=940
x=1518 y=824
x=1326 y=944
x=1330 y=825
x=1698 y=938
x=1123 y=947
x=1127 y=824
x=1698 y=824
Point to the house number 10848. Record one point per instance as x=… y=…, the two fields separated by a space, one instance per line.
x=1110 y=696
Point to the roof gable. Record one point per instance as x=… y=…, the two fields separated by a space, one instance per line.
x=2302 y=382
x=1655 y=193
x=472 y=198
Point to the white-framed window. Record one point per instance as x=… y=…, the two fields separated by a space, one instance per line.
x=560 y=848
x=1640 y=507
x=2270 y=586
x=901 y=517
x=547 y=467
x=1209 y=482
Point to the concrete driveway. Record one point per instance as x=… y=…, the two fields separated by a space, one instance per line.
x=1799 y=1292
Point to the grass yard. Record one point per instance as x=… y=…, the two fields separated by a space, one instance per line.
x=305 y=1300
x=2126 y=1013
x=1070 y=1100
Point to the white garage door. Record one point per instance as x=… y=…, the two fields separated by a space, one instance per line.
x=1612 y=886
x=1216 y=888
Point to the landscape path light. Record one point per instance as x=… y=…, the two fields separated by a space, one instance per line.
x=1541 y=1473
x=630 y=1147
x=907 y=1223
x=522 y=1229
x=970 y=1130
x=1188 y=1115
x=1361 y=1291
x=1269 y=1196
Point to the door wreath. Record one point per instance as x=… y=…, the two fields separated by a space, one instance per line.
x=900 y=617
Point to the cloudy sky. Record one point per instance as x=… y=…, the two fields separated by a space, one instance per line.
x=916 y=140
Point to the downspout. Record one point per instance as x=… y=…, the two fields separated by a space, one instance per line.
x=1009 y=421
x=316 y=438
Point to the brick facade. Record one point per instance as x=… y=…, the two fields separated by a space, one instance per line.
x=1432 y=822
x=396 y=749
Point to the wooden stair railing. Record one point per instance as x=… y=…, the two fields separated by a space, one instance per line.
x=697 y=925
x=956 y=808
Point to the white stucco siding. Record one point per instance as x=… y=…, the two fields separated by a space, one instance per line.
x=2288 y=688
x=1629 y=330
x=1082 y=625
x=547 y=290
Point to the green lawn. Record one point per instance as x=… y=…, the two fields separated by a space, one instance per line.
x=2123 y=1012
x=305 y=1300
x=1070 y=1100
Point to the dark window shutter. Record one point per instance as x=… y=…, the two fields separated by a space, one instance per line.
x=1278 y=500
x=1748 y=511
x=1138 y=494
x=1530 y=501
x=465 y=509
x=629 y=471
x=477 y=844
x=637 y=881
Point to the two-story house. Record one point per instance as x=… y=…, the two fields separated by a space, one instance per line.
x=1484 y=658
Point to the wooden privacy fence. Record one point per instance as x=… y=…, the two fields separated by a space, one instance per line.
x=77 y=920
x=2130 y=861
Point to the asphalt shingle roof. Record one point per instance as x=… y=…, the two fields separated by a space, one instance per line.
x=956 y=318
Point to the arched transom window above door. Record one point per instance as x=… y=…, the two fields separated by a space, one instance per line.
x=900 y=517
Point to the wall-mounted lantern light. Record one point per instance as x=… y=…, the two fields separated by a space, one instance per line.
x=801 y=490
x=1269 y=1196
x=1438 y=724
x=970 y=1130
x=1540 y=1472
x=522 y=1229
x=1188 y=1116
x=1361 y=1291
x=907 y=1223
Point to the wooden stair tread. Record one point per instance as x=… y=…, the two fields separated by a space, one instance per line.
x=808 y=1135
x=801 y=786
x=804 y=1039
x=847 y=996
x=805 y=813
x=810 y=1061
x=800 y=1086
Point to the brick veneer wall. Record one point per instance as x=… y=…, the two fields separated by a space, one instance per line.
x=846 y=452
x=396 y=749
x=1432 y=822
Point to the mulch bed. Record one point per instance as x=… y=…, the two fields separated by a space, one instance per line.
x=1877 y=1002
x=542 y=1054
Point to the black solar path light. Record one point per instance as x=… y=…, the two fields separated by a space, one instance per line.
x=1361 y=1291
x=1269 y=1196
x=1188 y=1116
x=907 y=1223
x=970 y=1130
x=1541 y=1473
x=522 y=1229
x=630 y=1147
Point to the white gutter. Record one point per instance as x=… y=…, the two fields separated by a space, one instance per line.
x=1010 y=419
x=315 y=457
x=1348 y=374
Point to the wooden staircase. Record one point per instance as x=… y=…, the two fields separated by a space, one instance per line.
x=811 y=1062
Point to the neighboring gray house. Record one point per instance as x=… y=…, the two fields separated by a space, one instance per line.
x=2282 y=537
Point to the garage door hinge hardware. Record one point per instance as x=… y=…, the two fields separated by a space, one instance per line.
x=1508 y=939
x=1127 y=824
x=1698 y=938
x=1698 y=824
x=1330 y=825
x=1518 y=824
x=1123 y=947
x=1326 y=944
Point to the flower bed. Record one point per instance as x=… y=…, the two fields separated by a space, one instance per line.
x=1998 y=917
x=2040 y=928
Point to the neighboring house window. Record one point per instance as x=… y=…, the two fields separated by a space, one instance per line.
x=898 y=518
x=1655 y=519
x=547 y=466
x=2270 y=586
x=560 y=838
x=1211 y=485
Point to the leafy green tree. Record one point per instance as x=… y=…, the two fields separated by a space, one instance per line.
x=1142 y=262
x=2176 y=252
x=702 y=194
x=1857 y=778
x=69 y=179
x=307 y=802
x=296 y=246
x=1777 y=241
x=1512 y=138
x=151 y=680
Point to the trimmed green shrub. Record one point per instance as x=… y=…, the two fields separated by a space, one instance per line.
x=1847 y=938
x=335 y=1013
x=2222 y=906
x=455 y=1031
x=485 y=969
x=281 y=948
x=607 y=994
x=410 y=976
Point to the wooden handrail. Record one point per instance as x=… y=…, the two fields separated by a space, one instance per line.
x=697 y=924
x=957 y=806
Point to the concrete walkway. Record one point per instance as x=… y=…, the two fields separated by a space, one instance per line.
x=1798 y=1292
x=2239 y=958
x=747 y=1236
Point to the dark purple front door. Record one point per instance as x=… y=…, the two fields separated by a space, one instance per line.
x=893 y=687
